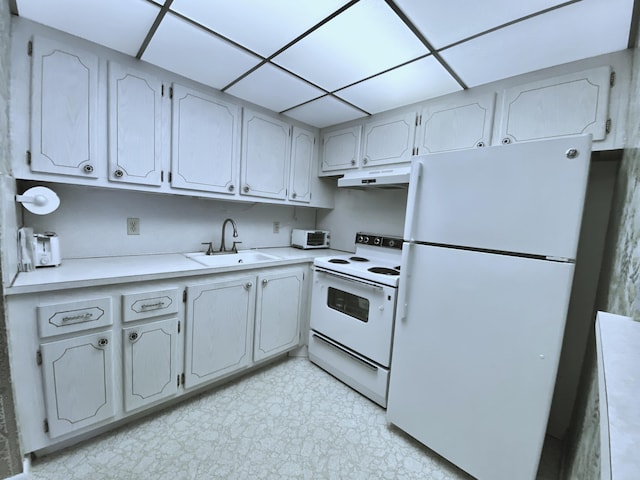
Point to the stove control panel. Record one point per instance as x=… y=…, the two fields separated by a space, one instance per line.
x=378 y=240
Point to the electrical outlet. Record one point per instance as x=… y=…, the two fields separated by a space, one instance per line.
x=276 y=227
x=133 y=226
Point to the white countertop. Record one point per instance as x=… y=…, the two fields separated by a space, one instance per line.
x=84 y=272
x=618 y=350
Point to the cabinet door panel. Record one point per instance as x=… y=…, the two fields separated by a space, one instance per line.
x=64 y=103
x=572 y=104
x=78 y=382
x=218 y=329
x=278 y=311
x=205 y=142
x=456 y=124
x=265 y=156
x=302 y=148
x=341 y=149
x=150 y=362
x=134 y=126
x=388 y=140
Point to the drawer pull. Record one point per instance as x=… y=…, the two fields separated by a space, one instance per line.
x=153 y=305
x=82 y=316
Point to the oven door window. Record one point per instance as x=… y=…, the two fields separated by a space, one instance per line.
x=349 y=304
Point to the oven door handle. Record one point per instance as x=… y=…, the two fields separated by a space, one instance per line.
x=348 y=278
x=366 y=363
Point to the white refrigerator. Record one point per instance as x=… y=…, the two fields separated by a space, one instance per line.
x=490 y=240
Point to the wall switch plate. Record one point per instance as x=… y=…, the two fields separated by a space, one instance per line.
x=276 y=227
x=133 y=226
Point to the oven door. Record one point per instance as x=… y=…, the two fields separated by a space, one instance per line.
x=355 y=313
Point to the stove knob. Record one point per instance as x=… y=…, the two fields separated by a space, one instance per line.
x=392 y=243
x=366 y=240
x=377 y=240
x=360 y=239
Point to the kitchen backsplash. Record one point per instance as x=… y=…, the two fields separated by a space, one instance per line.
x=93 y=222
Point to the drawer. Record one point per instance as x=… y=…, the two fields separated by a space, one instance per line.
x=138 y=306
x=61 y=318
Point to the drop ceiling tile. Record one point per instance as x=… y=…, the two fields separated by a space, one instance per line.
x=443 y=23
x=118 y=24
x=273 y=88
x=324 y=112
x=189 y=50
x=364 y=40
x=550 y=39
x=414 y=82
x=263 y=27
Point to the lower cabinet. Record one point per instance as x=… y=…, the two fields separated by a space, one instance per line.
x=78 y=382
x=218 y=328
x=82 y=359
x=150 y=363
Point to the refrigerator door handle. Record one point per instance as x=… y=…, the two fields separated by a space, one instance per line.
x=403 y=300
x=412 y=196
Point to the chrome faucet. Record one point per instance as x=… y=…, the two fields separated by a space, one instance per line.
x=223 y=248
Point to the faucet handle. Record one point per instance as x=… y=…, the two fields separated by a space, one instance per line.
x=209 y=249
x=234 y=249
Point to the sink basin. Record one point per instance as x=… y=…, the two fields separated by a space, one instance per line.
x=228 y=259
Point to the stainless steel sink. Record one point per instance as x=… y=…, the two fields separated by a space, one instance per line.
x=243 y=257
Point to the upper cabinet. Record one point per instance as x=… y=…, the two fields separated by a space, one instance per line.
x=303 y=146
x=266 y=143
x=64 y=110
x=462 y=122
x=340 y=149
x=205 y=142
x=135 y=127
x=388 y=140
x=577 y=103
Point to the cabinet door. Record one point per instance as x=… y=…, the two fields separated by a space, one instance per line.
x=134 y=126
x=64 y=103
x=388 y=140
x=205 y=142
x=341 y=149
x=278 y=310
x=219 y=320
x=78 y=382
x=572 y=104
x=150 y=362
x=456 y=124
x=265 y=155
x=302 y=149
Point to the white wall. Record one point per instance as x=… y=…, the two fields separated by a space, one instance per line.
x=374 y=211
x=92 y=222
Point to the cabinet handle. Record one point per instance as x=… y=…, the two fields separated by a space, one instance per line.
x=231 y=188
x=246 y=188
x=118 y=173
x=248 y=285
x=264 y=282
x=480 y=144
x=365 y=160
x=133 y=336
x=294 y=195
x=353 y=162
x=103 y=342
x=88 y=168
x=153 y=305
x=506 y=141
x=82 y=316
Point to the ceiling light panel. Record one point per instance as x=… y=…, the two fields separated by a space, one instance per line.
x=118 y=24
x=443 y=23
x=419 y=80
x=263 y=27
x=273 y=88
x=362 y=41
x=324 y=112
x=188 y=50
x=581 y=30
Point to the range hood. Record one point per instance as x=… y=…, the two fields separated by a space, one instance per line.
x=389 y=178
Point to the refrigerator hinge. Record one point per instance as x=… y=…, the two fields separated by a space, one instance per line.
x=607 y=126
x=39 y=357
x=612 y=79
x=45 y=425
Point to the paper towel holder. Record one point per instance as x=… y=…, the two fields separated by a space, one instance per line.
x=39 y=200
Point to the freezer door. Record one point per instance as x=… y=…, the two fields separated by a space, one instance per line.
x=476 y=355
x=524 y=197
